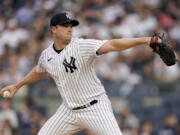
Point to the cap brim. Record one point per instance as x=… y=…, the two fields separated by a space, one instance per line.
x=74 y=23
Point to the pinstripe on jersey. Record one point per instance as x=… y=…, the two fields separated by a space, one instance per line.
x=80 y=86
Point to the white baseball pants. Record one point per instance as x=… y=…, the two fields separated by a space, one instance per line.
x=98 y=118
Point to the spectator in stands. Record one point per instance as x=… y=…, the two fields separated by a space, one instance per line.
x=146 y=129
x=7 y=115
x=128 y=119
x=26 y=14
x=169 y=128
x=13 y=35
x=6 y=128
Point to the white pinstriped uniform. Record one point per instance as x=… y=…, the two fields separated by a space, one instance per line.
x=78 y=86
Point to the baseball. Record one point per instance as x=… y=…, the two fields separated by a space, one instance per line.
x=6 y=94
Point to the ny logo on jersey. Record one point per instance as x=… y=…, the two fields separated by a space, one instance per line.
x=71 y=65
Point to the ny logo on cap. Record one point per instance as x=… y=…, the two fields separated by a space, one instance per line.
x=68 y=15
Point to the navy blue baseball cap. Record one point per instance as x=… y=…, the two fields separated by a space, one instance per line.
x=63 y=18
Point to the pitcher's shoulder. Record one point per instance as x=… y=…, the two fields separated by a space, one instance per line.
x=83 y=40
x=46 y=51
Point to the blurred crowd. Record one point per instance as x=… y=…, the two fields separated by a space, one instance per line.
x=24 y=33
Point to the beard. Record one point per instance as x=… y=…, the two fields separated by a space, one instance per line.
x=63 y=39
x=67 y=41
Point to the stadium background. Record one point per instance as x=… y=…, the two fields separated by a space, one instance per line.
x=144 y=92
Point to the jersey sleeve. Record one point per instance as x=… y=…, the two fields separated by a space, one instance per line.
x=40 y=66
x=89 y=47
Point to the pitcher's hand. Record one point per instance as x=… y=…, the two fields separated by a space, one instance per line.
x=11 y=88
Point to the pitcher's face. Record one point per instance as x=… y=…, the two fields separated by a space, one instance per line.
x=63 y=32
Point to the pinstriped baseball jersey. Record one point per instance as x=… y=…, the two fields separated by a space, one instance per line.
x=73 y=72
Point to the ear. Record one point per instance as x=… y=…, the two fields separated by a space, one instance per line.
x=53 y=29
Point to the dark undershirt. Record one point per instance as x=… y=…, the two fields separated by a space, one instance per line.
x=58 y=51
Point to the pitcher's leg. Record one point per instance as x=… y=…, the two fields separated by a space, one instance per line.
x=61 y=123
x=101 y=119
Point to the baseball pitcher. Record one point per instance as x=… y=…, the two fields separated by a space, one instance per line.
x=69 y=61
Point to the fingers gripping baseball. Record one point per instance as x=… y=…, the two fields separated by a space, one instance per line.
x=9 y=91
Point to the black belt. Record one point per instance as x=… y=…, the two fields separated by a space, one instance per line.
x=85 y=106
